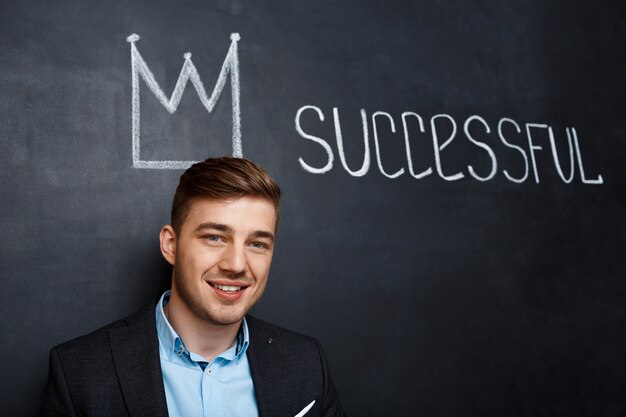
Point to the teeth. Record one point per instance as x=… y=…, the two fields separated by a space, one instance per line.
x=226 y=287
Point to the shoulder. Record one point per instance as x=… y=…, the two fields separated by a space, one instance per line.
x=84 y=374
x=93 y=344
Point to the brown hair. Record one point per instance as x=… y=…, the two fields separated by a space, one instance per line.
x=219 y=179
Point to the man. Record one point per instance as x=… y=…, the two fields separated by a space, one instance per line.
x=197 y=352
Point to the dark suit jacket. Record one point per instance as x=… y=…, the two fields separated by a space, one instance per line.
x=116 y=371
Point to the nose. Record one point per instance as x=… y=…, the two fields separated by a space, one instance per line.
x=233 y=259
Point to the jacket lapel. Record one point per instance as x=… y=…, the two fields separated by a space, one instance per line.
x=276 y=389
x=262 y=368
x=135 y=350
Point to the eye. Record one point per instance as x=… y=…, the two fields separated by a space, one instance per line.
x=259 y=245
x=213 y=238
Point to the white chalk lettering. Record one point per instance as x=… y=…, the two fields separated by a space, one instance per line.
x=494 y=162
x=599 y=179
x=439 y=144
x=322 y=142
x=533 y=147
x=366 y=144
x=438 y=148
x=555 y=156
x=409 y=159
x=393 y=130
x=510 y=145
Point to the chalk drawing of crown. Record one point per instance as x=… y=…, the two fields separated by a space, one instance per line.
x=188 y=72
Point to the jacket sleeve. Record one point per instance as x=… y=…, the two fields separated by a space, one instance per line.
x=57 y=401
x=331 y=406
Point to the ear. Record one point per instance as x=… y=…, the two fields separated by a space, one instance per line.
x=168 y=243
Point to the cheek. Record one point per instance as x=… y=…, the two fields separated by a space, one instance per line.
x=260 y=267
x=199 y=258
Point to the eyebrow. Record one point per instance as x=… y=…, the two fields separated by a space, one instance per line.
x=213 y=226
x=260 y=234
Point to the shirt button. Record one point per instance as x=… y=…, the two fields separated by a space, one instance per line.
x=209 y=370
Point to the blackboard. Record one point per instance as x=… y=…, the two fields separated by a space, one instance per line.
x=469 y=263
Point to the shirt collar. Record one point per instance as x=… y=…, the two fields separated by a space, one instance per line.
x=174 y=345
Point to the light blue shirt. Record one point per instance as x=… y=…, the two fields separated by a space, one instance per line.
x=195 y=387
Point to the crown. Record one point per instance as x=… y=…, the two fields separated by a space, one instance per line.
x=140 y=69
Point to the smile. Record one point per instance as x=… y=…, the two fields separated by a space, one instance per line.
x=228 y=293
x=227 y=288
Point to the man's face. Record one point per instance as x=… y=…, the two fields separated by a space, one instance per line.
x=222 y=256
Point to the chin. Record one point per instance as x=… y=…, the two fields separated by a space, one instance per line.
x=225 y=319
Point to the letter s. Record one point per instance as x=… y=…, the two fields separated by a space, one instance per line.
x=325 y=145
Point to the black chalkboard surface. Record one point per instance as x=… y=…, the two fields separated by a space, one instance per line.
x=454 y=215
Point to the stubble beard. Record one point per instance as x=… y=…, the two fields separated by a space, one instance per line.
x=210 y=313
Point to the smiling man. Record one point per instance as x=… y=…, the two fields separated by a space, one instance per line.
x=197 y=352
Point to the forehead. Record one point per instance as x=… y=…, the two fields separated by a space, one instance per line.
x=241 y=213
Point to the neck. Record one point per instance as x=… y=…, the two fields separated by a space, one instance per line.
x=200 y=336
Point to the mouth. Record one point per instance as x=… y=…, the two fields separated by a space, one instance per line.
x=228 y=292
x=227 y=288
